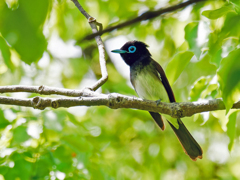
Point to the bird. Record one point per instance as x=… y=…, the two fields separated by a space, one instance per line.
x=150 y=82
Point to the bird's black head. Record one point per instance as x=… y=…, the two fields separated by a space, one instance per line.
x=133 y=51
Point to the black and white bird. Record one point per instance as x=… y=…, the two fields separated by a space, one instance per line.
x=150 y=82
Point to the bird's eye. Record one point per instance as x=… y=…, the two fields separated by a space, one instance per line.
x=132 y=49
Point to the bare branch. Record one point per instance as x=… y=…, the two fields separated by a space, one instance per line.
x=93 y=23
x=45 y=90
x=112 y=100
x=145 y=16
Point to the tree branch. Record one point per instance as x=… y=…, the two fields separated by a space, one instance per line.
x=145 y=16
x=45 y=90
x=113 y=101
x=93 y=23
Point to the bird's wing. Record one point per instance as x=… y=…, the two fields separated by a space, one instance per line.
x=165 y=81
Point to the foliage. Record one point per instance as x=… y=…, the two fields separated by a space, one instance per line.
x=197 y=46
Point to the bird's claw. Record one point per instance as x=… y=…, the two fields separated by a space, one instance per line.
x=158 y=101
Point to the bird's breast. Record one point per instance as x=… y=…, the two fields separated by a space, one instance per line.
x=148 y=85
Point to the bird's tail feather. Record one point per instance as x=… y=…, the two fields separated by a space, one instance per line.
x=158 y=119
x=189 y=144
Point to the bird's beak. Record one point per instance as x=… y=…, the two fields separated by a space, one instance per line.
x=119 y=51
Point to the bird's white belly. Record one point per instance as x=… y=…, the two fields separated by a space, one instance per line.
x=148 y=86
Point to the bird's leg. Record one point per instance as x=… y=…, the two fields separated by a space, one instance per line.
x=158 y=101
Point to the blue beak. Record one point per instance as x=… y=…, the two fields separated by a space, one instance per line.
x=119 y=51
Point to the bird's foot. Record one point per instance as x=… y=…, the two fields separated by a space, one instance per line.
x=158 y=101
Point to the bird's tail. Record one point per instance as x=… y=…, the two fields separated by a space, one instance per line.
x=189 y=144
x=158 y=119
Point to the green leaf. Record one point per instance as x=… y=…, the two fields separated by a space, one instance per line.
x=231 y=129
x=217 y=57
x=198 y=87
x=3 y=122
x=77 y=143
x=20 y=166
x=22 y=28
x=236 y=4
x=63 y=157
x=207 y=68
x=4 y=169
x=231 y=27
x=5 y=50
x=208 y=91
x=177 y=65
x=217 y=13
x=44 y=164
x=191 y=34
x=20 y=135
x=228 y=75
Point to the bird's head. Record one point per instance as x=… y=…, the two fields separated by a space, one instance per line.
x=133 y=51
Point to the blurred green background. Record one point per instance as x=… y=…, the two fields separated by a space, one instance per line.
x=40 y=44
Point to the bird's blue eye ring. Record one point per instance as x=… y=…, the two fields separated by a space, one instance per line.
x=132 y=49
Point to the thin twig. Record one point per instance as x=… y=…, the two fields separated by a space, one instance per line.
x=102 y=59
x=46 y=90
x=145 y=16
